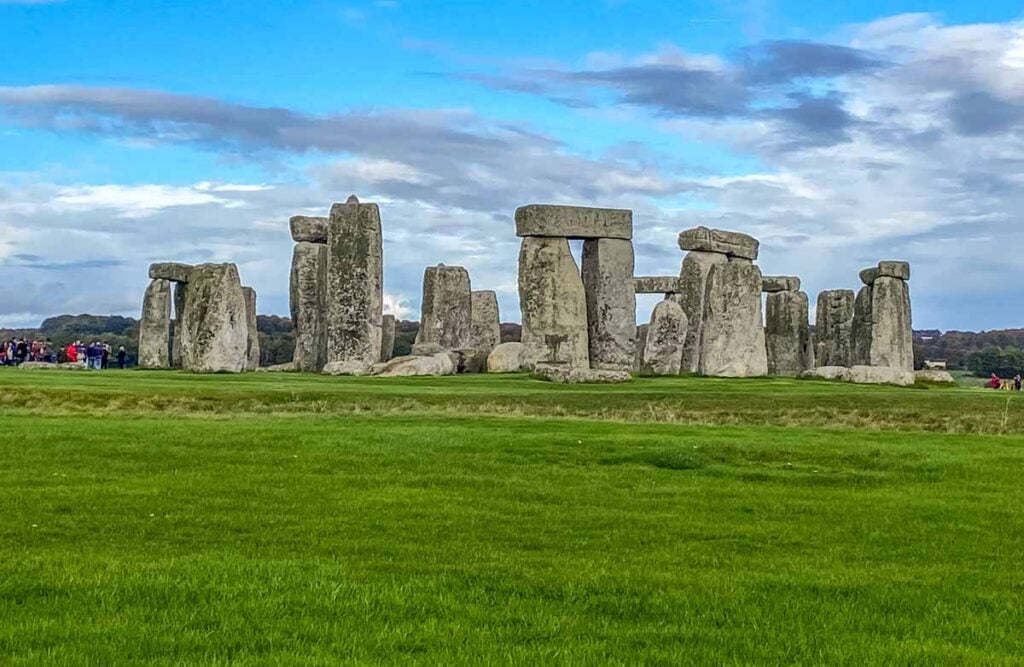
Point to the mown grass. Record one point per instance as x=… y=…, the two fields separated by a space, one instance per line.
x=170 y=519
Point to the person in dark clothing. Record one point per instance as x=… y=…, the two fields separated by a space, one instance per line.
x=105 y=355
x=122 y=354
x=21 y=351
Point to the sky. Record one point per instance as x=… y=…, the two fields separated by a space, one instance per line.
x=838 y=134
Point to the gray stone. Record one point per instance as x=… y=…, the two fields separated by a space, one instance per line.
x=860 y=330
x=470 y=360
x=506 y=358
x=641 y=343
x=566 y=375
x=179 y=328
x=607 y=272
x=827 y=373
x=252 y=349
x=936 y=376
x=173 y=271
x=894 y=269
x=427 y=349
x=773 y=284
x=733 y=244
x=833 y=326
x=732 y=342
x=217 y=334
x=309 y=229
x=881 y=375
x=891 y=332
x=867 y=276
x=288 y=367
x=485 y=329
x=693 y=276
x=437 y=364
x=354 y=286
x=446 y=309
x=353 y=367
x=387 y=337
x=787 y=333
x=47 y=366
x=308 y=302
x=553 y=304
x=155 y=326
x=574 y=222
x=663 y=349
x=656 y=285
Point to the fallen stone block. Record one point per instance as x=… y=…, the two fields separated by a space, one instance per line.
x=574 y=222
x=938 y=377
x=506 y=358
x=437 y=364
x=828 y=373
x=732 y=244
x=567 y=375
x=881 y=375
x=288 y=367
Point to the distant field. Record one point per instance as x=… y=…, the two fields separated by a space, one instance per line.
x=164 y=518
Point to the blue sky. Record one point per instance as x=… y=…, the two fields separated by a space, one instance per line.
x=837 y=133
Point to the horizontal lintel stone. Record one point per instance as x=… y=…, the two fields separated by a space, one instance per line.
x=733 y=244
x=656 y=284
x=780 y=284
x=574 y=222
x=308 y=228
x=173 y=271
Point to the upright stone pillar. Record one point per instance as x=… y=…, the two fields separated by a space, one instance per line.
x=860 y=330
x=693 y=278
x=611 y=303
x=787 y=332
x=155 y=325
x=882 y=327
x=665 y=335
x=216 y=336
x=354 y=287
x=553 y=303
x=308 y=302
x=252 y=348
x=387 y=337
x=180 y=325
x=833 y=328
x=732 y=340
x=486 y=323
x=446 y=318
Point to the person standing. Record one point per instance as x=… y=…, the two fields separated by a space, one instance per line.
x=72 y=353
x=21 y=352
x=1016 y=382
x=105 y=355
x=122 y=355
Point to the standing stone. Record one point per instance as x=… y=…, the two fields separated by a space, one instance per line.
x=665 y=336
x=308 y=304
x=693 y=278
x=553 y=303
x=485 y=332
x=892 y=342
x=641 y=343
x=611 y=303
x=833 y=328
x=860 y=330
x=252 y=350
x=387 y=337
x=446 y=317
x=732 y=340
x=217 y=334
x=354 y=287
x=155 y=326
x=787 y=333
x=180 y=326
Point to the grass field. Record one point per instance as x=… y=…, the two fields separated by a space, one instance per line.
x=263 y=519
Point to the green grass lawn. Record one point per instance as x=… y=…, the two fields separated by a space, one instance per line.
x=267 y=519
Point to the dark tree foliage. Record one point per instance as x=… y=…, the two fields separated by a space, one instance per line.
x=1005 y=362
x=955 y=347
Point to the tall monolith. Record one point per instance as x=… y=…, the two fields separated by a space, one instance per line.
x=308 y=305
x=833 y=328
x=252 y=348
x=387 y=337
x=607 y=272
x=693 y=276
x=216 y=321
x=665 y=335
x=553 y=303
x=787 y=333
x=732 y=340
x=485 y=332
x=445 y=311
x=155 y=325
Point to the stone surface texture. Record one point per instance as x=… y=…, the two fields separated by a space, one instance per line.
x=173 y=271
x=155 y=326
x=881 y=375
x=732 y=244
x=436 y=364
x=641 y=343
x=309 y=229
x=892 y=342
x=867 y=276
x=693 y=276
x=445 y=315
x=179 y=328
x=860 y=329
x=732 y=340
x=252 y=348
x=656 y=285
x=354 y=286
x=553 y=304
x=387 y=337
x=566 y=375
x=780 y=284
x=485 y=329
x=937 y=376
x=663 y=349
x=607 y=272
x=215 y=320
x=828 y=373
x=574 y=222
x=894 y=269
x=308 y=302
x=787 y=333
x=833 y=345
x=506 y=358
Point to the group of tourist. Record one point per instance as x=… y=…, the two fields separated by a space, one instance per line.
x=17 y=351
x=996 y=382
x=95 y=355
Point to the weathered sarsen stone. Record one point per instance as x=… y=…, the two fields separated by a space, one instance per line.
x=485 y=331
x=354 y=287
x=731 y=244
x=732 y=342
x=252 y=350
x=387 y=337
x=574 y=222
x=308 y=228
x=308 y=301
x=860 y=329
x=568 y=375
x=891 y=332
x=641 y=343
x=693 y=288
x=446 y=310
x=173 y=271
x=506 y=358
x=553 y=303
x=155 y=325
x=180 y=327
x=780 y=284
x=607 y=273
x=666 y=332
x=216 y=339
x=655 y=284
x=436 y=364
x=833 y=328
x=787 y=333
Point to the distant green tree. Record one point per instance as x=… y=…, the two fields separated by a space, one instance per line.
x=1003 y=361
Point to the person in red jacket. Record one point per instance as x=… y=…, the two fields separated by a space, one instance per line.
x=72 y=353
x=995 y=382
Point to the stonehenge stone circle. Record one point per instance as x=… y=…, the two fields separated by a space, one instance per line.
x=655 y=285
x=485 y=329
x=179 y=328
x=387 y=337
x=252 y=349
x=771 y=284
x=173 y=271
x=787 y=332
x=882 y=321
x=641 y=343
x=731 y=244
x=553 y=304
x=607 y=271
x=693 y=277
x=436 y=364
x=663 y=349
x=882 y=375
x=446 y=307
x=568 y=375
x=573 y=222
x=833 y=328
x=506 y=358
x=308 y=305
x=308 y=229
x=354 y=287
x=216 y=330
x=155 y=325
x=732 y=339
